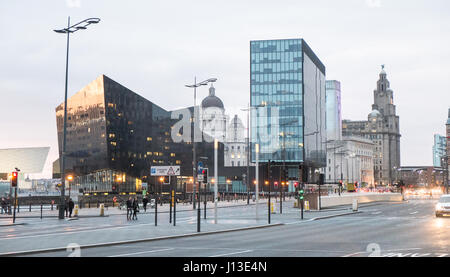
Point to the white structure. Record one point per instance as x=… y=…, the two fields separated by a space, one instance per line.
x=28 y=160
x=235 y=144
x=350 y=160
x=334 y=115
x=214 y=125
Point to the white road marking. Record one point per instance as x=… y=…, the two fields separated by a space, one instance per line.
x=362 y=252
x=416 y=212
x=143 y=252
x=375 y=213
x=228 y=254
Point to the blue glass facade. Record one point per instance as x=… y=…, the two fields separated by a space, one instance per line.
x=282 y=74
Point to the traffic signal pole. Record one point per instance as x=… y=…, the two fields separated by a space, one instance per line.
x=15 y=204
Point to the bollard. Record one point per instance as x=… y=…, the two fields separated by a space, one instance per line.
x=41 y=211
x=355 y=205
x=102 y=209
x=98 y=204
x=75 y=212
x=30 y=207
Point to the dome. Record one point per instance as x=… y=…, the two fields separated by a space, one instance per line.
x=212 y=100
x=375 y=113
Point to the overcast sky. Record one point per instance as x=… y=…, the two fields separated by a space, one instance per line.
x=156 y=47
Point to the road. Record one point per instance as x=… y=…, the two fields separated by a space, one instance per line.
x=391 y=229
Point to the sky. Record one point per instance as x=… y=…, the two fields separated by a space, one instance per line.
x=156 y=47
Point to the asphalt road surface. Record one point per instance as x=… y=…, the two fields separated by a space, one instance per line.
x=407 y=229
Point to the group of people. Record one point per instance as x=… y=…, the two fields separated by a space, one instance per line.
x=132 y=208
x=68 y=207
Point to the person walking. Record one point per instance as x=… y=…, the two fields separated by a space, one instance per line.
x=129 y=208
x=66 y=207
x=71 y=206
x=135 y=208
x=4 y=210
x=145 y=202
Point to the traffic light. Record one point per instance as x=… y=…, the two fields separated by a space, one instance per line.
x=14 y=179
x=276 y=185
x=285 y=174
x=302 y=173
x=205 y=175
x=301 y=193
x=321 y=179
x=296 y=185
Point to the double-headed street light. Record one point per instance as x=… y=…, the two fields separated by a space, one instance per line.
x=70 y=29
x=194 y=160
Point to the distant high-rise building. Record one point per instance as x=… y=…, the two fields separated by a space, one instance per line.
x=439 y=149
x=334 y=115
x=287 y=99
x=383 y=129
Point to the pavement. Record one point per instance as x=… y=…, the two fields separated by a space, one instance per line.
x=50 y=233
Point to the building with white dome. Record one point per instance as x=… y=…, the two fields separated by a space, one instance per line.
x=212 y=115
x=215 y=124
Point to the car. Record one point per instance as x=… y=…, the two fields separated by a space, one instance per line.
x=443 y=205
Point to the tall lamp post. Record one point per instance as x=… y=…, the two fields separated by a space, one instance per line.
x=248 y=147
x=194 y=159
x=70 y=29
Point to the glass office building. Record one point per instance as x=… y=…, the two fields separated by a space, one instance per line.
x=287 y=98
x=439 y=149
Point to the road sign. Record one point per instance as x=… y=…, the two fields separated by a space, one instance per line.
x=200 y=176
x=199 y=167
x=165 y=170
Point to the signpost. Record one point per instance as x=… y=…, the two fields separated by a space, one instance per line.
x=165 y=170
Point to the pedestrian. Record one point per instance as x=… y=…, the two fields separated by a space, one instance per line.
x=71 y=206
x=145 y=202
x=135 y=208
x=3 y=205
x=129 y=208
x=66 y=207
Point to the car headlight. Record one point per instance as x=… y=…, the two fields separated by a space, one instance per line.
x=438 y=206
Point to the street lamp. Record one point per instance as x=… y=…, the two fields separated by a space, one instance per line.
x=70 y=178
x=194 y=159
x=70 y=29
x=248 y=146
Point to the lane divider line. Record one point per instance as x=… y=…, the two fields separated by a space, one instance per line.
x=139 y=253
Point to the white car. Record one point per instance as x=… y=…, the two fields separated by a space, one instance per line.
x=443 y=205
